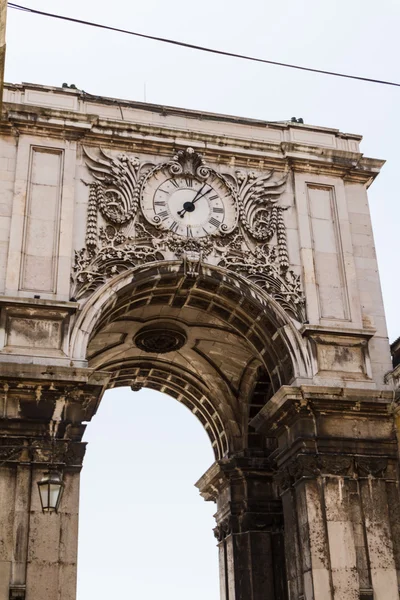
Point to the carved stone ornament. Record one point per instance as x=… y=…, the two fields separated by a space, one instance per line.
x=183 y=209
x=371 y=466
x=223 y=529
x=160 y=339
x=336 y=465
x=62 y=452
x=309 y=466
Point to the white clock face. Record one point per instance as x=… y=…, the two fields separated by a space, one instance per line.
x=188 y=206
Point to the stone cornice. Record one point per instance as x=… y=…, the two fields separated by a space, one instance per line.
x=228 y=149
x=310 y=330
x=289 y=403
x=36 y=373
x=52 y=96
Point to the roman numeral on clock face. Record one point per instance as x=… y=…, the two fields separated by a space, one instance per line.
x=174 y=183
x=163 y=214
x=174 y=227
x=214 y=222
x=159 y=203
x=189 y=181
x=217 y=209
x=213 y=197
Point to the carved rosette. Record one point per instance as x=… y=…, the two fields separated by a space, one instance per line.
x=160 y=339
x=118 y=237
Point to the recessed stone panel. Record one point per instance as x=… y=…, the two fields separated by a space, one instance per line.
x=41 y=227
x=34 y=330
x=341 y=358
x=38 y=333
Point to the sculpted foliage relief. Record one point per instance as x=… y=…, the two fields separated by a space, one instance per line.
x=184 y=210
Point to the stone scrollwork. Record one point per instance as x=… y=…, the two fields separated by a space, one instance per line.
x=115 y=191
x=187 y=162
x=257 y=198
x=263 y=265
x=119 y=237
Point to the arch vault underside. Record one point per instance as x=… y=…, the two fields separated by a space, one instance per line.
x=208 y=340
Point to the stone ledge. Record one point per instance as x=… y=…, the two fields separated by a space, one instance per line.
x=288 y=402
x=31 y=372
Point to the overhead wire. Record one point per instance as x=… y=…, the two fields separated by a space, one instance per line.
x=200 y=48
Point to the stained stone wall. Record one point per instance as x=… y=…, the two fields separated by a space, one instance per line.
x=264 y=317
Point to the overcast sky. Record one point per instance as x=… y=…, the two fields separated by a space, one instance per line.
x=145 y=533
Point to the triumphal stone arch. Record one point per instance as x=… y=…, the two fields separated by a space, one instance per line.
x=230 y=264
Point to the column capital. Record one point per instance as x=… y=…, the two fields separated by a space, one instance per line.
x=37 y=401
x=242 y=486
x=246 y=464
x=337 y=432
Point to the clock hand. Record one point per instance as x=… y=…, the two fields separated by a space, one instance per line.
x=181 y=212
x=197 y=197
x=192 y=201
x=199 y=192
x=189 y=206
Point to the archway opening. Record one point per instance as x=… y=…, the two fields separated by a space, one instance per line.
x=206 y=340
x=209 y=339
x=144 y=530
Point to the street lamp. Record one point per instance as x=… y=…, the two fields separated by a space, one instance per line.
x=51 y=487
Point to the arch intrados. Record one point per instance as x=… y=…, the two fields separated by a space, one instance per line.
x=271 y=329
x=266 y=329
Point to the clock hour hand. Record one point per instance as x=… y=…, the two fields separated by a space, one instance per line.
x=189 y=206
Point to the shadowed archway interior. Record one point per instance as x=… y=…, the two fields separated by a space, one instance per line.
x=206 y=341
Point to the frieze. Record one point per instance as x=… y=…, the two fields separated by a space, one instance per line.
x=183 y=209
x=336 y=465
x=312 y=466
x=43 y=451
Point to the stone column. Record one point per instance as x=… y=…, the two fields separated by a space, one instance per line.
x=249 y=528
x=337 y=472
x=41 y=416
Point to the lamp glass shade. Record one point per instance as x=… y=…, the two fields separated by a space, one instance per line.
x=51 y=488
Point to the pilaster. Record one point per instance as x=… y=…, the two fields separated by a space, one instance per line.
x=249 y=527
x=41 y=424
x=337 y=473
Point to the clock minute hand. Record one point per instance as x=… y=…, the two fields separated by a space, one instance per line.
x=197 y=197
x=198 y=193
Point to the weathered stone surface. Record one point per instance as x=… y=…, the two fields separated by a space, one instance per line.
x=229 y=263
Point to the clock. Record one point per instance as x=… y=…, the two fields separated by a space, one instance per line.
x=188 y=205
